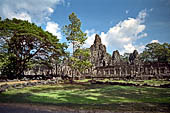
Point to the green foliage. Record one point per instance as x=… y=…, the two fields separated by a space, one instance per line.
x=80 y=61
x=125 y=57
x=3 y=59
x=156 y=52
x=73 y=32
x=24 y=41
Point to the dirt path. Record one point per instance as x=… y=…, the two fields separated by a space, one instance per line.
x=10 y=109
x=29 y=108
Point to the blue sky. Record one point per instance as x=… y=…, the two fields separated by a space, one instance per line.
x=123 y=25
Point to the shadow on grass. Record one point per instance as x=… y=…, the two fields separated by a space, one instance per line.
x=105 y=97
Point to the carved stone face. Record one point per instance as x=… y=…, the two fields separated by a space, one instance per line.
x=97 y=39
x=135 y=53
x=133 y=57
x=116 y=56
x=98 y=51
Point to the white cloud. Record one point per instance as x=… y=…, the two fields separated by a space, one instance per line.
x=50 y=10
x=151 y=9
x=154 y=41
x=91 y=36
x=127 y=11
x=53 y=28
x=68 y=4
x=129 y=48
x=22 y=16
x=140 y=48
x=141 y=16
x=123 y=35
x=37 y=11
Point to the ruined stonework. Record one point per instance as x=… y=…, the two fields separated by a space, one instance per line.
x=115 y=57
x=99 y=56
x=105 y=65
x=134 y=57
x=112 y=66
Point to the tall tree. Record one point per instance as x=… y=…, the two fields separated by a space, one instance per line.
x=24 y=41
x=80 y=59
x=73 y=32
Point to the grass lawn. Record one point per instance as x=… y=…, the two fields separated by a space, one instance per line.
x=92 y=97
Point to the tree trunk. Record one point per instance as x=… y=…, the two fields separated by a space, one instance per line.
x=73 y=48
x=56 y=69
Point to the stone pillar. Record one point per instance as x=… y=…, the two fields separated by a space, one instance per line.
x=104 y=73
x=125 y=71
x=120 y=71
x=114 y=71
x=159 y=70
x=39 y=72
x=131 y=70
x=97 y=72
x=94 y=72
x=146 y=70
x=165 y=70
x=156 y=71
x=134 y=70
x=141 y=70
x=100 y=72
x=90 y=70
x=109 y=71
x=138 y=70
x=151 y=70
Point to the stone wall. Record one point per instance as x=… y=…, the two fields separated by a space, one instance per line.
x=6 y=87
x=112 y=66
x=144 y=71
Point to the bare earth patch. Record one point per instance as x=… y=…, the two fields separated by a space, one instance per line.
x=32 y=108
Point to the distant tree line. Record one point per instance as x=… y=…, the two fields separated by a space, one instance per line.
x=153 y=52
x=156 y=52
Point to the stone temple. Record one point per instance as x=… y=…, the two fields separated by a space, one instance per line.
x=105 y=65
x=99 y=56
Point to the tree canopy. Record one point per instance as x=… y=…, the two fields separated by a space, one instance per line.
x=80 y=61
x=73 y=32
x=156 y=52
x=22 y=41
